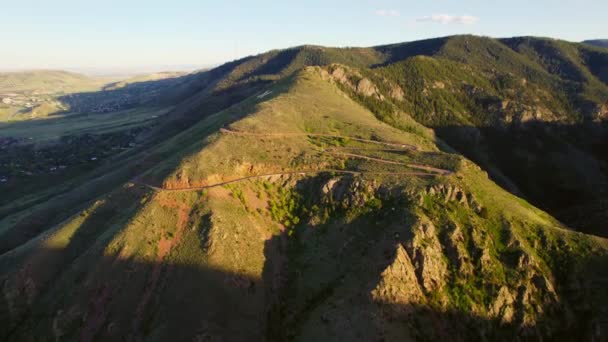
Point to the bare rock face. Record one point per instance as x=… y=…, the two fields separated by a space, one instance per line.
x=602 y=112
x=427 y=255
x=438 y=85
x=504 y=305
x=532 y=113
x=339 y=75
x=535 y=294
x=398 y=283
x=513 y=112
x=433 y=255
x=366 y=87
x=346 y=192
x=524 y=301
x=329 y=186
x=457 y=251
x=397 y=93
x=452 y=193
x=355 y=81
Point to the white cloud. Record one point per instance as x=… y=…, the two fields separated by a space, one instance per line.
x=449 y=19
x=387 y=13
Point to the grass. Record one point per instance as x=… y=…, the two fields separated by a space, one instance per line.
x=53 y=128
x=325 y=114
x=47 y=80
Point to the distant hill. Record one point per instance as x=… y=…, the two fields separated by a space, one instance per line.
x=157 y=76
x=37 y=94
x=54 y=81
x=597 y=42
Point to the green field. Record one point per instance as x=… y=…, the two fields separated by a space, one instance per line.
x=48 y=81
x=56 y=126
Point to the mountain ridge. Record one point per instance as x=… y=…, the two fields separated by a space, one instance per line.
x=597 y=42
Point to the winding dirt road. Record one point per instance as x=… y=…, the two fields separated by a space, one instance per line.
x=284 y=135
x=427 y=171
x=268 y=175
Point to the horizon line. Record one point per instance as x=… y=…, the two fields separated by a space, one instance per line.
x=106 y=70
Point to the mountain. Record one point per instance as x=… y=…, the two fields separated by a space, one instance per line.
x=157 y=76
x=530 y=111
x=478 y=93
x=597 y=42
x=326 y=194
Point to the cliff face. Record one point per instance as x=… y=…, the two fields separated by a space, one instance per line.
x=409 y=273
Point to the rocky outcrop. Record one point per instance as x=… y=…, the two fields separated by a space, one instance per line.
x=427 y=255
x=601 y=112
x=512 y=112
x=347 y=192
x=504 y=305
x=430 y=259
x=366 y=87
x=535 y=292
x=398 y=283
x=533 y=114
x=457 y=250
x=451 y=193
x=438 y=85
x=339 y=75
x=397 y=93
x=353 y=80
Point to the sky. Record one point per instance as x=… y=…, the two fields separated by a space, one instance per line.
x=97 y=35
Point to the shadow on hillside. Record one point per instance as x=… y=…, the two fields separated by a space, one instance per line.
x=197 y=88
x=274 y=64
x=128 y=300
x=560 y=168
x=402 y=51
x=36 y=294
x=86 y=290
x=324 y=279
x=338 y=312
x=70 y=294
x=68 y=200
x=113 y=99
x=49 y=209
x=89 y=290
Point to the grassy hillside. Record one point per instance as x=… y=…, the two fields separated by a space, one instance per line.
x=476 y=92
x=531 y=111
x=597 y=42
x=42 y=94
x=54 y=81
x=157 y=76
x=297 y=214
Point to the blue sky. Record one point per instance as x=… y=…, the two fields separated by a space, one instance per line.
x=133 y=33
